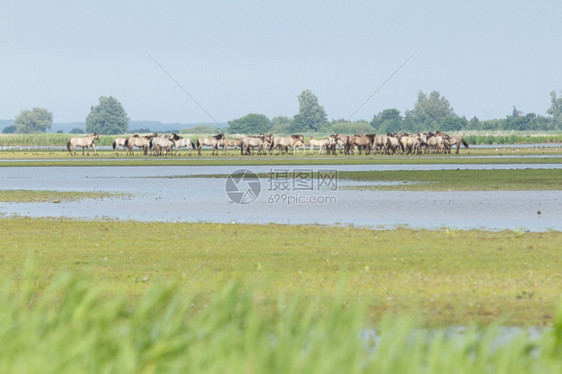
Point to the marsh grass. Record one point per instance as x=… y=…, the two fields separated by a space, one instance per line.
x=41 y=196
x=472 y=277
x=460 y=180
x=72 y=326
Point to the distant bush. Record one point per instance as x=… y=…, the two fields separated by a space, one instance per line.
x=9 y=130
x=76 y=131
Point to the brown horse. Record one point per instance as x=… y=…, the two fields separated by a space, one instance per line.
x=361 y=142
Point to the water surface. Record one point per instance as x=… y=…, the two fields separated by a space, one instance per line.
x=154 y=196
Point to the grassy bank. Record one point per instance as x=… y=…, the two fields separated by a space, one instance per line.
x=440 y=278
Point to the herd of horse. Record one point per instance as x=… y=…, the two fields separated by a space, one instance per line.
x=390 y=143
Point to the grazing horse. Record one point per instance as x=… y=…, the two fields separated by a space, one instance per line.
x=212 y=141
x=453 y=140
x=84 y=142
x=139 y=142
x=117 y=142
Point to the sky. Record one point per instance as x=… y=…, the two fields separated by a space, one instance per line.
x=207 y=61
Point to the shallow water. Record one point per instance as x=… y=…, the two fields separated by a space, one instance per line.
x=154 y=196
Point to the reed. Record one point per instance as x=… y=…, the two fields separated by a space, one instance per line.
x=72 y=327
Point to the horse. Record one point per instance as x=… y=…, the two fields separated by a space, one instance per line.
x=285 y=142
x=84 y=142
x=235 y=143
x=360 y=141
x=261 y=141
x=117 y=142
x=322 y=143
x=341 y=141
x=393 y=143
x=380 y=141
x=182 y=142
x=139 y=142
x=212 y=141
x=453 y=140
x=298 y=143
x=159 y=143
x=409 y=143
x=435 y=144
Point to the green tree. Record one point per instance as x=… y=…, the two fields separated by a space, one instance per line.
x=311 y=115
x=555 y=110
x=33 y=121
x=430 y=111
x=281 y=125
x=389 y=120
x=108 y=117
x=250 y=124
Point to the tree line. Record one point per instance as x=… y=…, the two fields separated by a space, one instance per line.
x=430 y=112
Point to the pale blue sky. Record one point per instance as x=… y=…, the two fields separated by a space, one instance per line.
x=240 y=57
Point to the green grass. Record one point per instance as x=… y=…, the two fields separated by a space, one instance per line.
x=461 y=180
x=439 y=180
x=133 y=297
x=440 y=278
x=41 y=196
